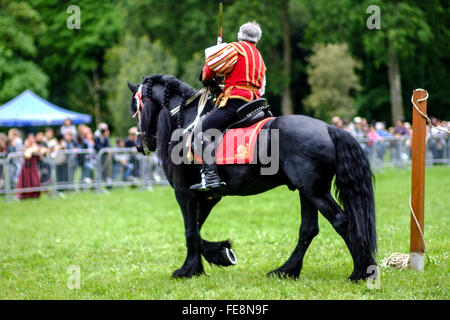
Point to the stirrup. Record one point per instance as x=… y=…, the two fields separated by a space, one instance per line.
x=207 y=187
x=204 y=186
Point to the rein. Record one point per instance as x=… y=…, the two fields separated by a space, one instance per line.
x=202 y=93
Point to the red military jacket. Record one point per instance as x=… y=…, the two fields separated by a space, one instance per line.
x=243 y=68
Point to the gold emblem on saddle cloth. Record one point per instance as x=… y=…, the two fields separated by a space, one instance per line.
x=242 y=151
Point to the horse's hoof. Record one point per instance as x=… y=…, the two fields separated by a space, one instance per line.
x=179 y=274
x=219 y=253
x=231 y=256
x=186 y=273
x=283 y=274
x=358 y=276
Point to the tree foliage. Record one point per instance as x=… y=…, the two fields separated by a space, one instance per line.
x=416 y=31
x=20 y=26
x=332 y=78
x=129 y=61
x=74 y=57
x=86 y=69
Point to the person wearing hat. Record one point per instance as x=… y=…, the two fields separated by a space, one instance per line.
x=242 y=66
x=130 y=142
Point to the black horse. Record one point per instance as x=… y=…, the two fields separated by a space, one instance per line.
x=311 y=153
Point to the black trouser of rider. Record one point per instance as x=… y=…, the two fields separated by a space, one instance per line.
x=220 y=119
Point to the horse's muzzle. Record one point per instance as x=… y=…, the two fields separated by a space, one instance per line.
x=140 y=148
x=150 y=145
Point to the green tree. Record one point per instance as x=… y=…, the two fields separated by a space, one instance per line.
x=332 y=78
x=74 y=57
x=185 y=27
x=426 y=68
x=20 y=26
x=191 y=70
x=68 y=66
x=403 y=29
x=275 y=44
x=188 y=27
x=400 y=44
x=130 y=60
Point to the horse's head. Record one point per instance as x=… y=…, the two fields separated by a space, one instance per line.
x=146 y=113
x=160 y=105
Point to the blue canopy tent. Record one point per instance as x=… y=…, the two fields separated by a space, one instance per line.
x=28 y=109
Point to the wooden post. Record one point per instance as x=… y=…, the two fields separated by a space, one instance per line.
x=417 y=246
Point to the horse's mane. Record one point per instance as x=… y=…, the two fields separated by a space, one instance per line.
x=164 y=130
x=172 y=85
x=166 y=124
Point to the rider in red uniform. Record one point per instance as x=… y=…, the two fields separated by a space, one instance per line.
x=244 y=72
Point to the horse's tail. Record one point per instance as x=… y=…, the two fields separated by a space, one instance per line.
x=354 y=190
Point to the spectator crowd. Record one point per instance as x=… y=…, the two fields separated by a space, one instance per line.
x=50 y=156
x=66 y=149
x=376 y=140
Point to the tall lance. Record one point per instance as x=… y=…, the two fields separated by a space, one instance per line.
x=219 y=41
x=219 y=38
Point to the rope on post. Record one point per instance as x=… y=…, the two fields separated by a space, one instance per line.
x=423 y=114
x=422 y=237
x=417 y=248
x=397 y=261
x=401 y=260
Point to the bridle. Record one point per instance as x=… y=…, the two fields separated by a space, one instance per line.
x=204 y=92
x=138 y=114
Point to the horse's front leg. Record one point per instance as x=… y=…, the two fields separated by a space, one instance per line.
x=193 y=264
x=216 y=252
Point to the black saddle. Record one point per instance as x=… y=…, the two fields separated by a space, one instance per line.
x=251 y=112
x=248 y=114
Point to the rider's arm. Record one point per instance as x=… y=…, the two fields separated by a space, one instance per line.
x=220 y=60
x=207 y=73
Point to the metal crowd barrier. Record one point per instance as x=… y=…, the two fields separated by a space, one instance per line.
x=396 y=152
x=82 y=169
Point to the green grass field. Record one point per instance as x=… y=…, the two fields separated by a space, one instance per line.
x=127 y=243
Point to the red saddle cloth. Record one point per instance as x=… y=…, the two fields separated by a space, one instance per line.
x=237 y=145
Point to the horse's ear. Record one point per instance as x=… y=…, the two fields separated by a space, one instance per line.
x=133 y=87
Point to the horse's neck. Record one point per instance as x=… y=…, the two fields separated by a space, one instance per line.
x=194 y=110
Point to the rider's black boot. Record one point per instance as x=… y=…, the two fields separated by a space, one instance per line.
x=209 y=178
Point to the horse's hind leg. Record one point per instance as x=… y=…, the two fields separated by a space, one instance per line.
x=216 y=252
x=338 y=219
x=309 y=228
